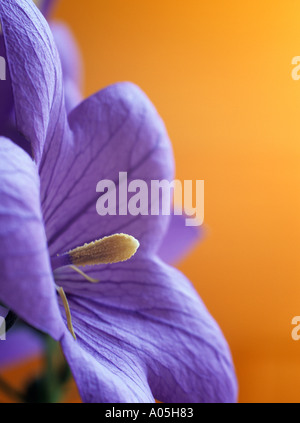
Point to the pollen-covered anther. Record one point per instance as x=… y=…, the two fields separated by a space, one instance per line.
x=110 y=249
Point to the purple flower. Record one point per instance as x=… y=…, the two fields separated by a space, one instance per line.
x=142 y=332
x=21 y=344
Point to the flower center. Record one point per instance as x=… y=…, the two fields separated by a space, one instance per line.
x=108 y=250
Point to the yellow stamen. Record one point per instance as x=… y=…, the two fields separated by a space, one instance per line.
x=110 y=249
x=62 y=294
x=87 y=277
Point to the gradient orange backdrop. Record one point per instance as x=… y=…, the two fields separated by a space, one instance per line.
x=219 y=73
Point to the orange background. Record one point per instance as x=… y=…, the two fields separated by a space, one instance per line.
x=219 y=73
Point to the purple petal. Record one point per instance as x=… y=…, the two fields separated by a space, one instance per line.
x=71 y=63
x=98 y=374
x=3 y=311
x=179 y=240
x=45 y=6
x=72 y=95
x=6 y=96
x=143 y=325
x=116 y=130
x=27 y=285
x=8 y=130
x=21 y=344
x=35 y=72
x=69 y=53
